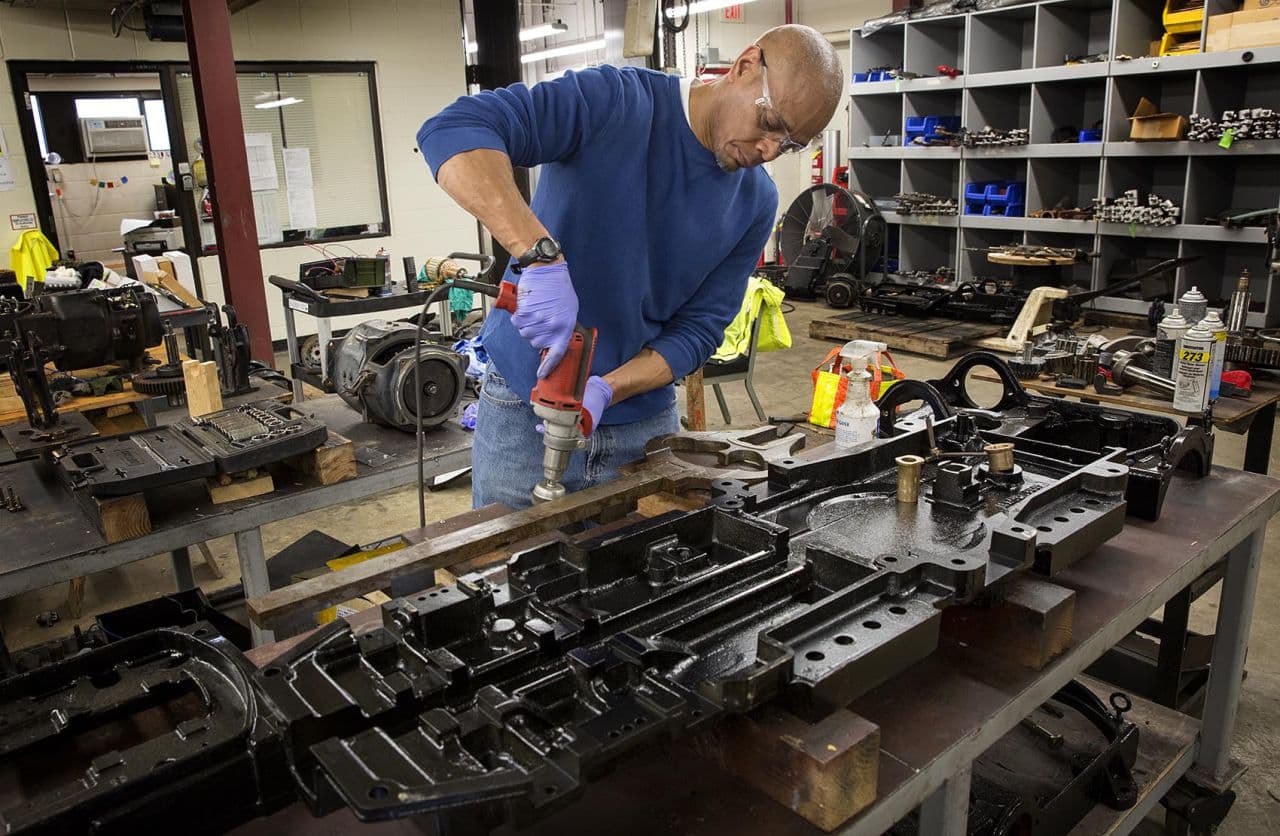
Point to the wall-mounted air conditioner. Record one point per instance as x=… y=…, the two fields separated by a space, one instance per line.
x=121 y=136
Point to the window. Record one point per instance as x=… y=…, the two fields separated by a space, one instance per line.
x=157 y=127
x=107 y=108
x=315 y=158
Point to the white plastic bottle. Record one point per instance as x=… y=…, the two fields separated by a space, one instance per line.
x=857 y=419
x=1191 y=370
x=1219 y=330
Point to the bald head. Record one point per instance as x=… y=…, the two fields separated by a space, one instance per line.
x=805 y=71
x=779 y=94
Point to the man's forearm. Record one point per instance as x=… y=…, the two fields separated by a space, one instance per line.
x=482 y=182
x=643 y=373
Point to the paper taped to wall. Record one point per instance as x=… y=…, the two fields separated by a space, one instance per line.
x=7 y=183
x=262 y=163
x=299 y=188
x=266 y=210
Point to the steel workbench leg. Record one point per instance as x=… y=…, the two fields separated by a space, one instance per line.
x=1226 y=667
x=295 y=355
x=253 y=575
x=1257 y=442
x=183 y=578
x=946 y=812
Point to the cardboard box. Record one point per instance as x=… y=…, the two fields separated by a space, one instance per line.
x=1256 y=5
x=1147 y=124
x=1244 y=30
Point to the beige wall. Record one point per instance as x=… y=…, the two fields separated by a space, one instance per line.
x=415 y=43
x=88 y=217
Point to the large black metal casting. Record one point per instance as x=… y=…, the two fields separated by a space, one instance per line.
x=501 y=696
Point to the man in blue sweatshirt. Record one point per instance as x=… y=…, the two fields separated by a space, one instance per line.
x=649 y=215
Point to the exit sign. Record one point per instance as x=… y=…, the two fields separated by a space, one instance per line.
x=733 y=14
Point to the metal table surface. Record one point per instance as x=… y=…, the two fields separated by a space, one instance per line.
x=942 y=713
x=54 y=540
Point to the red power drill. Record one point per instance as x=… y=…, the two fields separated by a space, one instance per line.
x=557 y=400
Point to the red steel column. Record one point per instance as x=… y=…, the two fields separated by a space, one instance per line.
x=213 y=71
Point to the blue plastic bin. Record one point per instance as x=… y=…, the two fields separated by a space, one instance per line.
x=927 y=127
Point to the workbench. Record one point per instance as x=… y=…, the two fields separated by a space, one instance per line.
x=54 y=540
x=941 y=714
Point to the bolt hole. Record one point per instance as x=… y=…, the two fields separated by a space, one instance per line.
x=1091 y=502
x=1017 y=529
x=844 y=640
x=628 y=727
x=891 y=559
x=422 y=597
x=378 y=792
x=955 y=561
x=871 y=625
x=815 y=656
x=697 y=712
x=105 y=679
x=613 y=733
x=201 y=633
x=550 y=790
x=1077 y=510
x=1061 y=519
x=1043 y=528
x=898 y=610
x=271 y=671
x=640 y=721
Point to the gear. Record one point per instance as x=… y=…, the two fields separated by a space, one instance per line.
x=154 y=382
x=310 y=352
x=1027 y=369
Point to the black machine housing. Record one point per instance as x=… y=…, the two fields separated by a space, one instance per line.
x=373 y=371
x=499 y=696
x=830 y=239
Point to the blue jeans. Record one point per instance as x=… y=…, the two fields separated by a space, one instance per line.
x=506 y=458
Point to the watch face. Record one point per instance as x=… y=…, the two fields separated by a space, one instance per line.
x=547 y=248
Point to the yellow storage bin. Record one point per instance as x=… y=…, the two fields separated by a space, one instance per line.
x=1172 y=44
x=1180 y=19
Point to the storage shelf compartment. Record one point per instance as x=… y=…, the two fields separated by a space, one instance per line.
x=879 y=178
x=1139 y=23
x=1003 y=108
x=931 y=103
x=1080 y=276
x=883 y=48
x=1071 y=29
x=936 y=177
x=930 y=43
x=1163 y=176
x=925 y=247
x=1120 y=258
x=974 y=265
x=1002 y=40
x=1233 y=89
x=1219 y=268
x=1217 y=184
x=1058 y=106
x=1170 y=93
x=1051 y=180
x=871 y=117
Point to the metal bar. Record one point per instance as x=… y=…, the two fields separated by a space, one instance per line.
x=147 y=409
x=213 y=73
x=1257 y=444
x=946 y=811
x=253 y=575
x=1226 y=667
x=324 y=333
x=183 y=578
x=291 y=341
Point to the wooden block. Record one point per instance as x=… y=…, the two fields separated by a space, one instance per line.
x=119 y=518
x=204 y=389
x=330 y=463
x=75 y=596
x=695 y=401
x=1029 y=624
x=827 y=771
x=239 y=487
x=118 y=410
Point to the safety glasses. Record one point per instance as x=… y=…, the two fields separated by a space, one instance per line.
x=770 y=121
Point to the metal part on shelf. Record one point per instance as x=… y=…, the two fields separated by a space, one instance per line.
x=373 y=371
x=917 y=203
x=1126 y=371
x=1129 y=208
x=501 y=696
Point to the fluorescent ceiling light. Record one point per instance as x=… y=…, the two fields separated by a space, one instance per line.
x=567 y=49
x=543 y=30
x=289 y=100
x=472 y=47
x=699 y=6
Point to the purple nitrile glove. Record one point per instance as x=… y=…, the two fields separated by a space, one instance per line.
x=596 y=397
x=546 y=311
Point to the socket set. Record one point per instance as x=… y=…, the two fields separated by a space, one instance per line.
x=233 y=440
x=917 y=203
x=1130 y=209
x=1245 y=123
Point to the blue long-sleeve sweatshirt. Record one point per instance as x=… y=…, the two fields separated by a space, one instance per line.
x=659 y=241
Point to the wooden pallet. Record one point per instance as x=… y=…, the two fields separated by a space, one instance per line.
x=932 y=337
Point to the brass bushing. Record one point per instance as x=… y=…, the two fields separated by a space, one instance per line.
x=999 y=457
x=909 y=468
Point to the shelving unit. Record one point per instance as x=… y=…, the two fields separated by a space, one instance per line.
x=1014 y=77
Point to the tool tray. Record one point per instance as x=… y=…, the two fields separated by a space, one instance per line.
x=230 y=441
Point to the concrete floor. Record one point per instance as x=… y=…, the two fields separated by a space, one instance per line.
x=784 y=387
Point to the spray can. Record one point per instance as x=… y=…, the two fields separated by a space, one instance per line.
x=1168 y=332
x=1194 y=305
x=1191 y=370
x=1218 y=328
x=857 y=419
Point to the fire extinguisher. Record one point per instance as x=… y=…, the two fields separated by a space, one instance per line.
x=815 y=170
